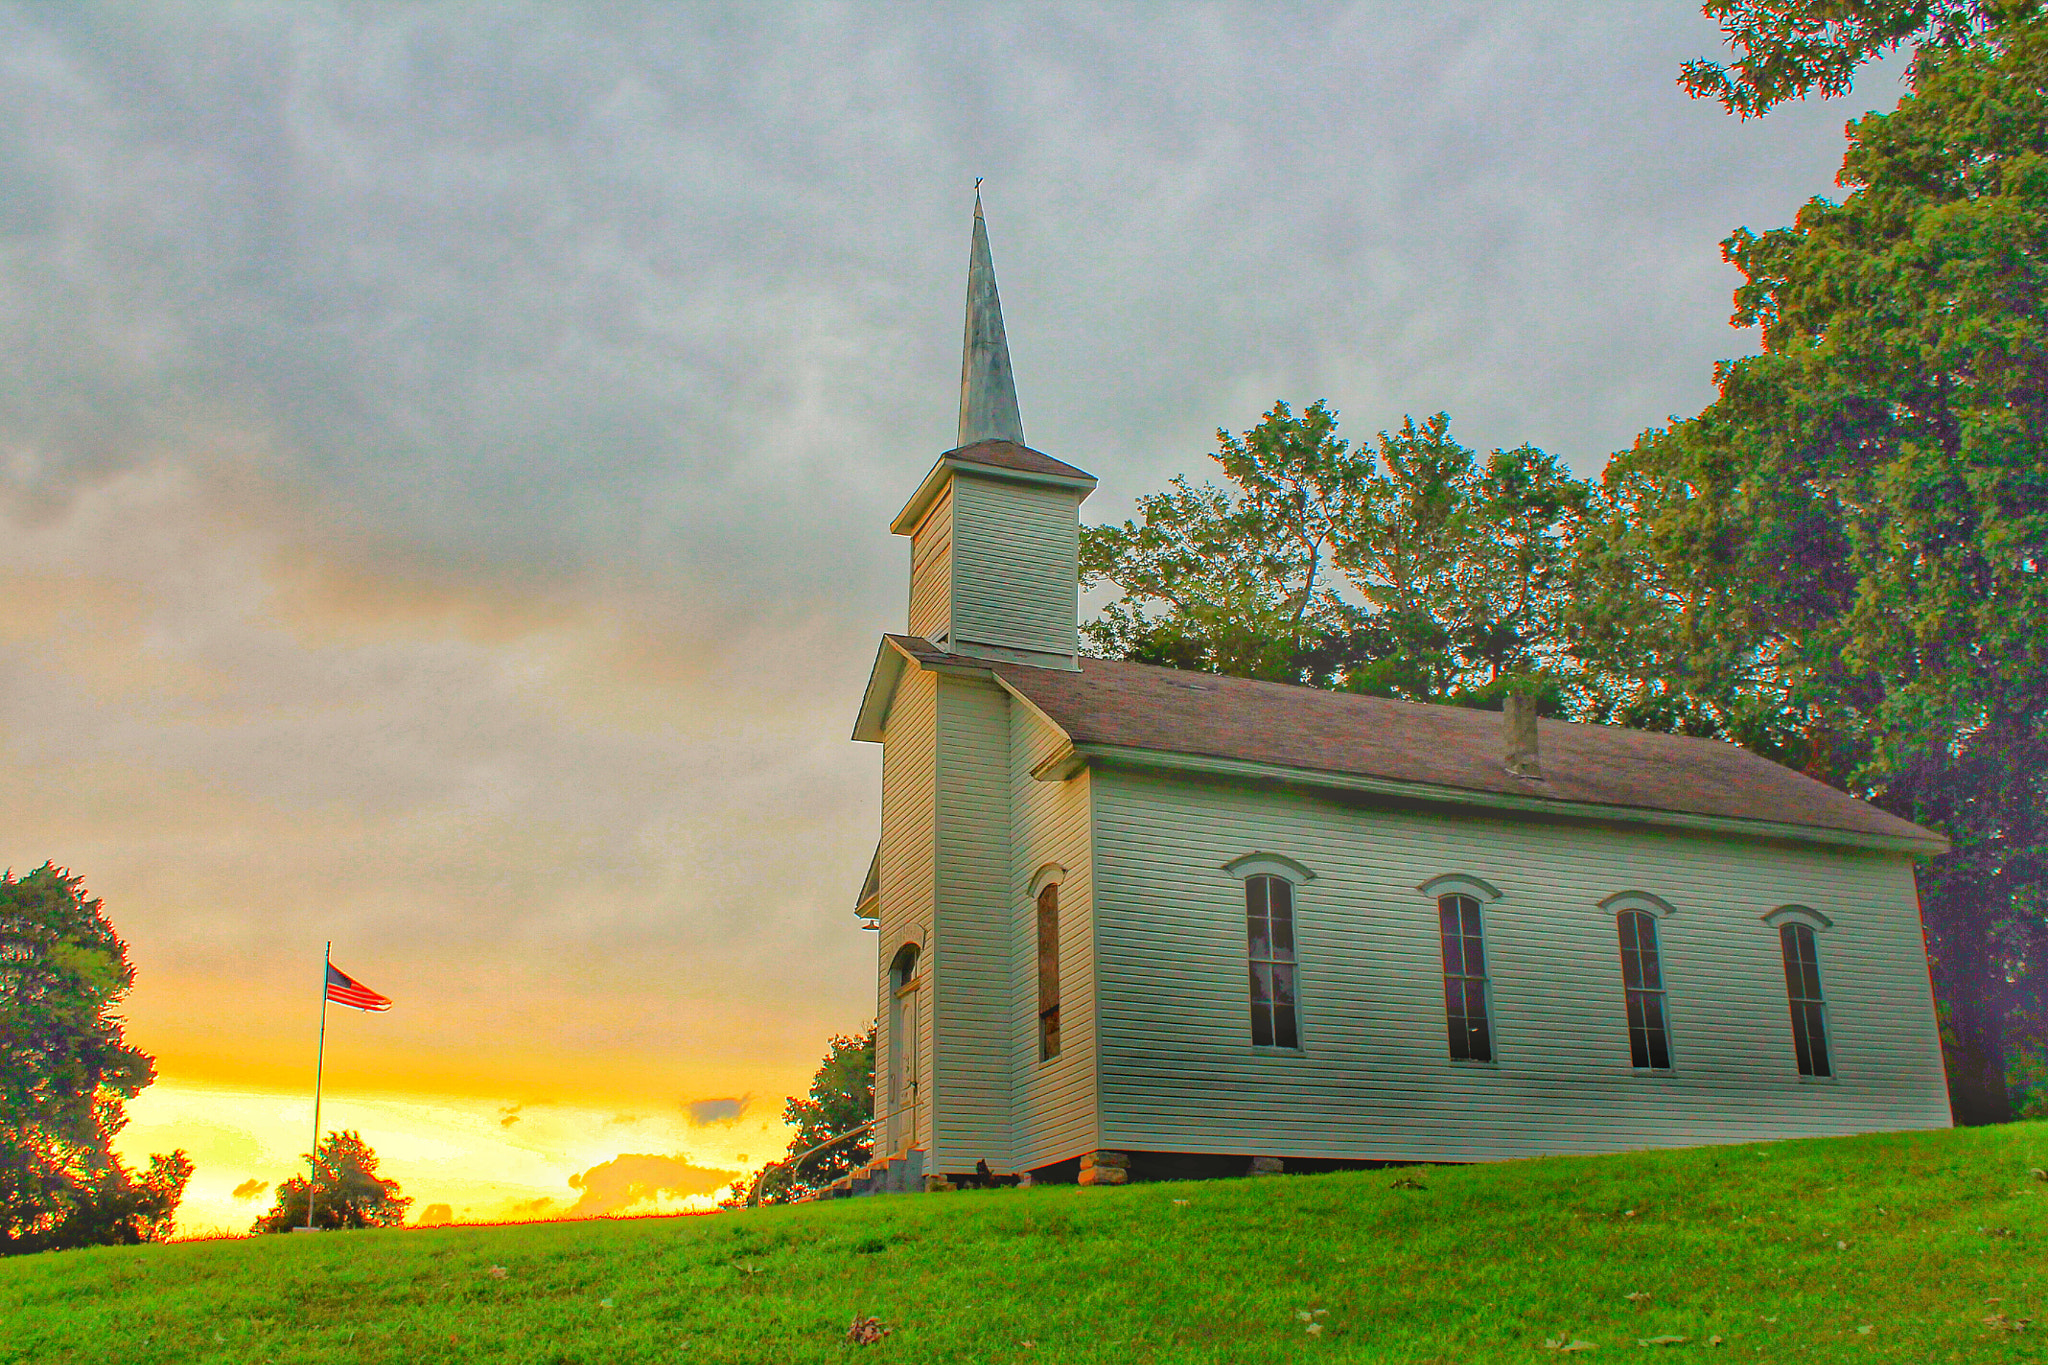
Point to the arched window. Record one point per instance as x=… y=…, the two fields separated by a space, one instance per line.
x=903 y=1027
x=1642 y=978
x=1269 y=930
x=1802 y=991
x=1049 y=972
x=1467 y=1020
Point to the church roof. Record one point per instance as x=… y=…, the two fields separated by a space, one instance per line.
x=1113 y=710
x=1017 y=458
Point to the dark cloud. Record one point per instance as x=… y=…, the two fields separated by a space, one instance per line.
x=434 y=1215
x=250 y=1188
x=636 y=1178
x=509 y=1115
x=706 y=1113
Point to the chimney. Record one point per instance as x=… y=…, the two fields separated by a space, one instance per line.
x=1519 y=713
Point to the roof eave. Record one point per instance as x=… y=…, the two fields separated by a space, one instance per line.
x=891 y=659
x=1056 y=769
x=927 y=492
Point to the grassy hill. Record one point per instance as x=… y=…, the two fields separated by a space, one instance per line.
x=1906 y=1247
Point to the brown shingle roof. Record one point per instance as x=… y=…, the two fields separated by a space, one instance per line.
x=1137 y=706
x=1010 y=455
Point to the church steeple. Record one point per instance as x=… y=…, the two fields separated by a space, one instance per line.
x=988 y=390
x=995 y=527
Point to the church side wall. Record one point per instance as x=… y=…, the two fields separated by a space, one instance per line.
x=1015 y=580
x=971 y=984
x=931 y=571
x=1374 y=1080
x=1054 y=1113
x=909 y=770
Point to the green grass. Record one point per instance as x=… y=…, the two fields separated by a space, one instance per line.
x=1785 y=1251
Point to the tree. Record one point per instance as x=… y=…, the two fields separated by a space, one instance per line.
x=1413 y=569
x=351 y=1195
x=1786 y=48
x=1845 y=557
x=66 y=1074
x=841 y=1098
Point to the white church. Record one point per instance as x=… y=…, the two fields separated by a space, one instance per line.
x=1139 y=923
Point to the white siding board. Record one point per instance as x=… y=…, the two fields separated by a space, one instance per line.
x=931 y=571
x=909 y=771
x=971 y=977
x=1055 y=1100
x=1016 y=550
x=1178 y=1072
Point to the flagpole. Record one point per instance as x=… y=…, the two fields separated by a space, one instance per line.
x=319 y=1063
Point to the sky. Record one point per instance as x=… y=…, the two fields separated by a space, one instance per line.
x=447 y=453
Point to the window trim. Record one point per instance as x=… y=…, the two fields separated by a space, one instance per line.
x=1628 y=905
x=1481 y=893
x=1803 y=914
x=1280 y=867
x=1815 y=923
x=1049 y=1045
x=1269 y=865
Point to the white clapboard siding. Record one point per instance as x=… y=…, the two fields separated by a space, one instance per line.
x=971 y=988
x=1178 y=1073
x=909 y=773
x=1015 y=551
x=1055 y=1100
x=931 y=571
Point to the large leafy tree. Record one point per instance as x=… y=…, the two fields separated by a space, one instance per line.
x=66 y=1073
x=1844 y=559
x=350 y=1192
x=1788 y=48
x=1412 y=568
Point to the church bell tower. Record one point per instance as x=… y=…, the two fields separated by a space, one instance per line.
x=995 y=527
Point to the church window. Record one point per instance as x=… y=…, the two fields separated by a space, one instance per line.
x=1642 y=978
x=1802 y=989
x=1049 y=972
x=1269 y=925
x=1465 y=1006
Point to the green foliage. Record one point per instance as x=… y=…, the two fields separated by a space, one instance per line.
x=66 y=1073
x=1844 y=560
x=842 y=1097
x=1785 y=1251
x=349 y=1194
x=1413 y=569
x=1787 y=48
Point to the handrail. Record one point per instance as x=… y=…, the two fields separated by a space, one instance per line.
x=754 y=1194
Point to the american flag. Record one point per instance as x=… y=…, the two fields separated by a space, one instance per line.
x=344 y=989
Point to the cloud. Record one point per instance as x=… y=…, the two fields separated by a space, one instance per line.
x=434 y=1215
x=719 y=1112
x=637 y=1178
x=249 y=1189
x=509 y=1115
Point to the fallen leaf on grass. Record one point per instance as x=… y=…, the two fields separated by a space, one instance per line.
x=497 y=1272
x=1406 y=1182
x=1841 y=1246
x=869 y=1331
x=1315 y=1328
x=1770 y=1319
x=1180 y=1203
x=1999 y=1322
x=1639 y=1299
x=1559 y=1344
x=1660 y=1341
x=604 y=1303
x=1715 y=1340
x=2038 y=1173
